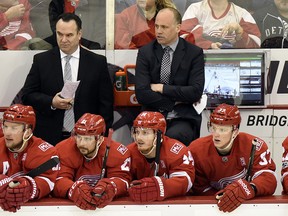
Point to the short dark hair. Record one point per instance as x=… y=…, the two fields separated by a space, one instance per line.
x=66 y=17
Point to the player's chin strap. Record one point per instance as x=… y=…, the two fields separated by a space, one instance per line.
x=226 y=149
x=24 y=143
x=152 y=152
x=98 y=144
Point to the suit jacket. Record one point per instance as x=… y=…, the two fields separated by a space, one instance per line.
x=186 y=82
x=45 y=79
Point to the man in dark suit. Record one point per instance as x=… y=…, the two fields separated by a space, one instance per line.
x=46 y=79
x=184 y=87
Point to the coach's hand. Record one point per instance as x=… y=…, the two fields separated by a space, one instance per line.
x=234 y=194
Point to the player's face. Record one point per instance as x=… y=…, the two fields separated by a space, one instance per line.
x=282 y=5
x=144 y=138
x=87 y=145
x=13 y=134
x=166 y=28
x=68 y=36
x=221 y=135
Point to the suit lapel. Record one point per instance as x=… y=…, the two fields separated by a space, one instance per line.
x=177 y=58
x=57 y=70
x=81 y=69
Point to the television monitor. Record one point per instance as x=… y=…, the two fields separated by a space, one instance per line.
x=235 y=78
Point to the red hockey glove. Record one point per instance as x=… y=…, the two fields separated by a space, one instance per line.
x=104 y=192
x=80 y=194
x=4 y=182
x=21 y=190
x=6 y=206
x=285 y=185
x=234 y=194
x=147 y=190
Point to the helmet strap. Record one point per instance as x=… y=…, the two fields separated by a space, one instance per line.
x=98 y=144
x=24 y=143
x=227 y=149
x=152 y=152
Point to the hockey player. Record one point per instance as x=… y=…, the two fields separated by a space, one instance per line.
x=21 y=152
x=176 y=166
x=284 y=171
x=81 y=158
x=223 y=162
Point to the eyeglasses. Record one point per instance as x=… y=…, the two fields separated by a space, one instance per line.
x=220 y=130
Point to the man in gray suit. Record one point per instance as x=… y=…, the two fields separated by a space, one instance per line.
x=173 y=96
x=46 y=79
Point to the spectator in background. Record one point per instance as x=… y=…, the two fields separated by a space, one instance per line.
x=120 y=5
x=93 y=15
x=171 y=84
x=46 y=79
x=135 y=26
x=273 y=23
x=218 y=24
x=81 y=158
x=21 y=152
x=15 y=26
x=284 y=170
x=175 y=174
x=252 y=5
x=223 y=158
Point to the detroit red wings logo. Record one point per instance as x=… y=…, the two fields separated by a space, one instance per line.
x=176 y=148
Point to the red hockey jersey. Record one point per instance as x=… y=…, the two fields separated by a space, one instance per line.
x=284 y=170
x=176 y=166
x=74 y=166
x=36 y=153
x=214 y=171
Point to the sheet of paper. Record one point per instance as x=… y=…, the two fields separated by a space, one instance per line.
x=69 y=89
x=200 y=105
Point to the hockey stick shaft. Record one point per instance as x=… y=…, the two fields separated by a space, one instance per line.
x=49 y=164
x=103 y=170
x=251 y=160
x=157 y=156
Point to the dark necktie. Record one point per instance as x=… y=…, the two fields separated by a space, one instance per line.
x=165 y=66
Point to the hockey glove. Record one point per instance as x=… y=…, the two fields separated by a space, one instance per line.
x=234 y=194
x=20 y=190
x=80 y=194
x=147 y=190
x=4 y=182
x=104 y=192
x=285 y=185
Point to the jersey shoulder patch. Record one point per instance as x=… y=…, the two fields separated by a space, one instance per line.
x=176 y=148
x=44 y=146
x=122 y=149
